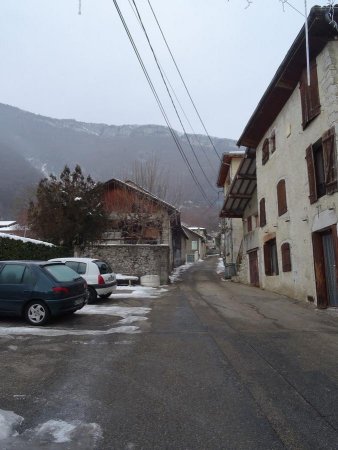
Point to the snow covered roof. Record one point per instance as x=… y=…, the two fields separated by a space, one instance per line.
x=23 y=239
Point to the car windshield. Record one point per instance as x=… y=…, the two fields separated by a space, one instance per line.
x=61 y=272
x=103 y=267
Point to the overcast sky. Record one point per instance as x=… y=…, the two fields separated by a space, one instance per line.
x=57 y=63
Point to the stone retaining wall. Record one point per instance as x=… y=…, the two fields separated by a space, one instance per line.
x=136 y=260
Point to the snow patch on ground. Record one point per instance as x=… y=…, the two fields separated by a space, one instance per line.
x=8 y=423
x=59 y=431
x=177 y=272
x=36 y=331
x=129 y=314
x=220 y=266
x=137 y=292
x=84 y=435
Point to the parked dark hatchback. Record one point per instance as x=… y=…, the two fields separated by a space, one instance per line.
x=37 y=290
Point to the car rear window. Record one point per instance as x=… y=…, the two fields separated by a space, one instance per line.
x=79 y=267
x=61 y=272
x=103 y=267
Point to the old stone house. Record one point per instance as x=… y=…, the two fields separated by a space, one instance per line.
x=144 y=234
x=289 y=175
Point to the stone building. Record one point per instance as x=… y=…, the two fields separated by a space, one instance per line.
x=291 y=141
x=144 y=234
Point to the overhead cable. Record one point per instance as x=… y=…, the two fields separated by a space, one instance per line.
x=172 y=131
x=169 y=93
x=182 y=79
x=179 y=103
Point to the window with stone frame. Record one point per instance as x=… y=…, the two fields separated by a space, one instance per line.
x=309 y=95
x=271 y=258
x=265 y=152
x=321 y=161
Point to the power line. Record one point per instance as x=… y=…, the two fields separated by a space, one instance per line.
x=172 y=132
x=170 y=96
x=182 y=79
x=178 y=101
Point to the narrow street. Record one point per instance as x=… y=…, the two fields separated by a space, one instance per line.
x=217 y=365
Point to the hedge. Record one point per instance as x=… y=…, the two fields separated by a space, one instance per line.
x=19 y=250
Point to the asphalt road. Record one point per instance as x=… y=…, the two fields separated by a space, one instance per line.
x=217 y=365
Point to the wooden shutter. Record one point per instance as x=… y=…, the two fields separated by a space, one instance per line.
x=273 y=141
x=265 y=151
x=281 y=198
x=267 y=258
x=286 y=257
x=309 y=95
x=262 y=215
x=250 y=223
x=311 y=174
x=330 y=160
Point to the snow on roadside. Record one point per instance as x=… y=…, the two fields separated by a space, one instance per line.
x=52 y=431
x=129 y=314
x=8 y=422
x=137 y=292
x=220 y=266
x=54 y=332
x=176 y=273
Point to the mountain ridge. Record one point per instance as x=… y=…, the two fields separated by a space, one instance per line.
x=45 y=145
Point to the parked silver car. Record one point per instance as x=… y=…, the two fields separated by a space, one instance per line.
x=100 y=278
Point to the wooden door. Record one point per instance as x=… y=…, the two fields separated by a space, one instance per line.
x=253 y=266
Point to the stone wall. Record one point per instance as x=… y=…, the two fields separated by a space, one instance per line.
x=135 y=260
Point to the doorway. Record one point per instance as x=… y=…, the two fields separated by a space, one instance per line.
x=325 y=252
x=253 y=267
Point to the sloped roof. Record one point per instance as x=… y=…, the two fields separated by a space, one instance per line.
x=288 y=75
x=225 y=165
x=114 y=182
x=242 y=187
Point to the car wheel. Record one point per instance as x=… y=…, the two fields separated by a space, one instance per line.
x=37 y=313
x=105 y=295
x=92 y=297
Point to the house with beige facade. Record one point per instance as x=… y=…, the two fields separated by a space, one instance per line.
x=231 y=227
x=286 y=191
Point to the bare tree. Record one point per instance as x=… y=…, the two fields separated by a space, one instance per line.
x=157 y=179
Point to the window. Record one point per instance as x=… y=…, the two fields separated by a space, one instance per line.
x=273 y=142
x=309 y=95
x=281 y=198
x=193 y=245
x=322 y=166
x=262 y=215
x=103 y=267
x=12 y=274
x=286 y=257
x=270 y=258
x=249 y=223
x=265 y=151
x=62 y=273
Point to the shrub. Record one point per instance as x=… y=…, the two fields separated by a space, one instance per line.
x=17 y=249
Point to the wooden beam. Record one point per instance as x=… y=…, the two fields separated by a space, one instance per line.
x=246 y=177
x=245 y=196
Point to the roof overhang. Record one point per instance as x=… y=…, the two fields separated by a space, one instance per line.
x=242 y=187
x=288 y=74
x=225 y=165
